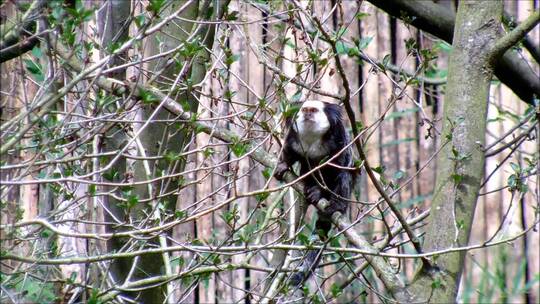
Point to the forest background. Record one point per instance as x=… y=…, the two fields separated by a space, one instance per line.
x=139 y=139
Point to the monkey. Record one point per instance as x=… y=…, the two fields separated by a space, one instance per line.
x=314 y=136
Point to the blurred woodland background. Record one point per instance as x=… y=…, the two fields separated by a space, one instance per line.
x=139 y=139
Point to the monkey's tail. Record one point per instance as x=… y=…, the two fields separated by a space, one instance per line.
x=313 y=257
x=308 y=266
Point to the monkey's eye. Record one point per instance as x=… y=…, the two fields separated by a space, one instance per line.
x=310 y=110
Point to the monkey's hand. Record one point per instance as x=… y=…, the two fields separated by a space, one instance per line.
x=335 y=205
x=281 y=168
x=313 y=195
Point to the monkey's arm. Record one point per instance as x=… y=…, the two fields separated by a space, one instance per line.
x=287 y=158
x=340 y=194
x=341 y=186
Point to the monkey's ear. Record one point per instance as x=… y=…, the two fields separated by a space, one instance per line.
x=333 y=112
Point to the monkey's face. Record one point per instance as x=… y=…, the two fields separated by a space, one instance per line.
x=311 y=120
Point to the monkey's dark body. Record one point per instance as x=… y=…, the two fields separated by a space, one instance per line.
x=314 y=137
x=329 y=182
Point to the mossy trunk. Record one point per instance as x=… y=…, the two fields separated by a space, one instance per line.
x=461 y=162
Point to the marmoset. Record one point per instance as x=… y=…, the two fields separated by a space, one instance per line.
x=316 y=135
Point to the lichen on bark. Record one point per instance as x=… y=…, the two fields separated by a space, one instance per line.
x=461 y=162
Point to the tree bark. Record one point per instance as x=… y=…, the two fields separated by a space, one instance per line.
x=461 y=162
x=441 y=22
x=111 y=27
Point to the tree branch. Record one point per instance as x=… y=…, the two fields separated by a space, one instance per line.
x=385 y=270
x=528 y=44
x=16 y=42
x=440 y=21
x=346 y=101
x=514 y=36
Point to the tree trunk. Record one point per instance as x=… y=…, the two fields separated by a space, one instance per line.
x=111 y=25
x=461 y=162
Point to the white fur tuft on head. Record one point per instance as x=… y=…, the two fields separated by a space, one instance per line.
x=311 y=124
x=311 y=119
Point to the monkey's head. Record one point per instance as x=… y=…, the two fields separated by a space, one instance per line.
x=312 y=118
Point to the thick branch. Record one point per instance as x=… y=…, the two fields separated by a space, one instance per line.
x=385 y=272
x=440 y=21
x=16 y=42
x=533 y=49
x=461 y=163
x=514 y=36
x=527 y=42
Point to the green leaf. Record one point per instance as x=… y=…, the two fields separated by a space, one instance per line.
x=443 y=46
x=231 y=59
x=147 y=97
x=177 y=262
x=512 y=182
x=362 y=15
x=297 y=96
x=410 y=44
x=341 y=48
x=92 y=189
x=46 y=233
x=457 y=178
x=246 y=232
x=180 y=214
x=342 y=31
x=35 y=69
x=261 y=196
x=385 y=62
x=455 y=153
x=111 y=175
x=239 y=149
x=399 y=175
x=379 y=169
x=72 y=277
x=36 y=52
x=140 y=20
x=289 y=43
x=230 y=216
x=266 y=173
x=303 y=239
x=515 y=167
x=172 y=156
x=291 y=110
x=335 y=290
x=364 y=42
x=436 y=283
x=208 y=152
x=232 y=16
x=155 y=6
x=94 y=297
x=132 y=200
x=460 y=224
x=229 y=94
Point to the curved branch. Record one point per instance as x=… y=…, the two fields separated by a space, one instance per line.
x=514 y=36
x=528 y=44
x=19 y=39
x=440 y=21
